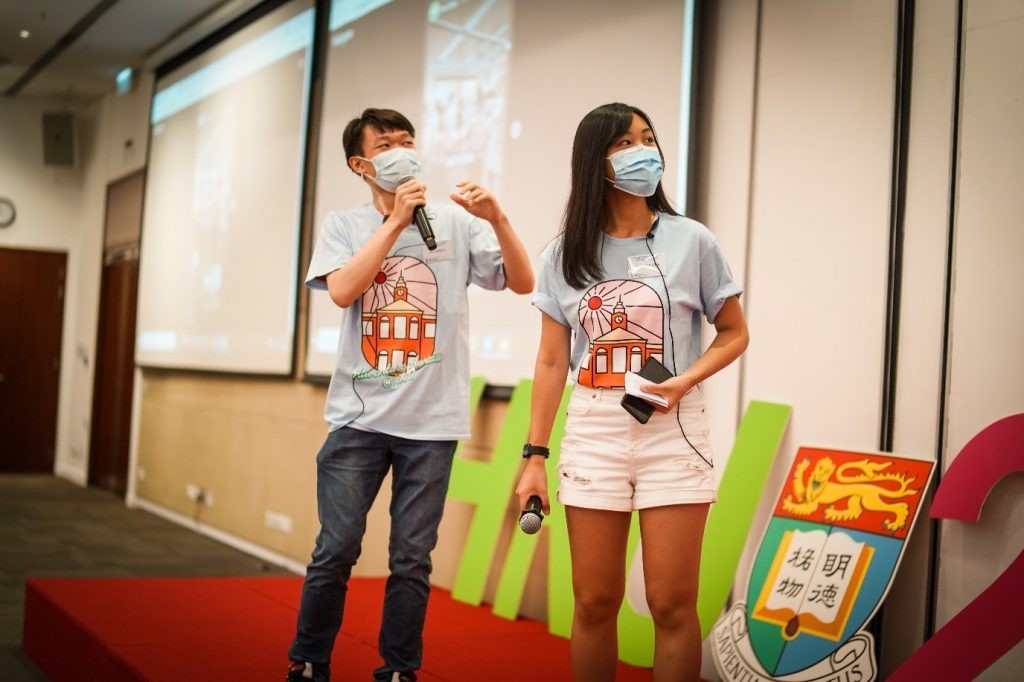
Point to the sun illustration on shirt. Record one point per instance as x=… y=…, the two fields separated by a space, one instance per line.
x=400 y=315
x=623 y=319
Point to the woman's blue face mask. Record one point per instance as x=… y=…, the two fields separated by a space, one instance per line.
x=638 y=170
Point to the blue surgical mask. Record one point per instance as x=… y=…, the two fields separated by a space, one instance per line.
x=638 y=170
x=393 y=165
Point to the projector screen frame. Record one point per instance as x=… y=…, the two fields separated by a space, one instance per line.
x=307 y=180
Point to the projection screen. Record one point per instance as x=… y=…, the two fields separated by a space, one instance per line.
x=218 y=272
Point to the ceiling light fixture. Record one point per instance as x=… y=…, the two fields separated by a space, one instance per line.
x=24 y=33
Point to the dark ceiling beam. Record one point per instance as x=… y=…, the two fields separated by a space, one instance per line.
x=65 y=41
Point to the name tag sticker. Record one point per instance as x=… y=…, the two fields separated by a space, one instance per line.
x=646 y=266
x=442 y=252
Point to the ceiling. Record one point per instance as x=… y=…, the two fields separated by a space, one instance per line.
x=136 y=33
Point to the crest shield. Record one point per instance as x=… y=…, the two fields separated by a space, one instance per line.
x=826 y=560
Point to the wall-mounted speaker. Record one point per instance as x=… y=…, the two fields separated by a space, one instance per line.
x=58 y=138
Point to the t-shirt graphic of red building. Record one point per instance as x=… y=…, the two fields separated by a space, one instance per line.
x=623 y=319
x=400 y=315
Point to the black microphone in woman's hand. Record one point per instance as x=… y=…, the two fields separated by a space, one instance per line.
x=531 y=518
x=419 y=216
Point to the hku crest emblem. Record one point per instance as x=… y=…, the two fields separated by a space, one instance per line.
x=824 y=565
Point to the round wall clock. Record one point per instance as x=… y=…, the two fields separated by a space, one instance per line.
x=7 y=212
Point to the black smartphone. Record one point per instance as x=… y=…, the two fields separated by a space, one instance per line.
x=654 y=372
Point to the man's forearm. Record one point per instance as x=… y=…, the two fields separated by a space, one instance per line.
x=348 y=282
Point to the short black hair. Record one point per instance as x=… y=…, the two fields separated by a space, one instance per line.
x=381 y=120
x=586 y=212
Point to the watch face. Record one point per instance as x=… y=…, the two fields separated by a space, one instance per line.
x=7 y=212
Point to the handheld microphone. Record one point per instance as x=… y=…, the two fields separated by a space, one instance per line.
x=419 y=216
x=531 y=518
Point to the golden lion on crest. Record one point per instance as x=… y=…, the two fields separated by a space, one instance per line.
x=827 y=485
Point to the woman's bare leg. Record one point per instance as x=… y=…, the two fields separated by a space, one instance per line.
x=597 y=541
x=671 y=539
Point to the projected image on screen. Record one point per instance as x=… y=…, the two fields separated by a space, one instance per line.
x=495 y=89
x=464 y=93
x=221 y=221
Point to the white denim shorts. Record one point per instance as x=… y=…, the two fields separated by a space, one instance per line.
x=611 y=461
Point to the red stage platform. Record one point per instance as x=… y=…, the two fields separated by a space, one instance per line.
x=239 y=629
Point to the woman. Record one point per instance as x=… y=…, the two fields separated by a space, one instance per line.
x=628 y=279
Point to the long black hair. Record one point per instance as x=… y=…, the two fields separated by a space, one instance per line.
x=586 y=211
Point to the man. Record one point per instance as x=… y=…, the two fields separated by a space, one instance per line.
x=399 y=395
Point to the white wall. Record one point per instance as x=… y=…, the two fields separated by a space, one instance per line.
x=918 y=376
x=800 y=137
x=797 y=119
x=721 y=198
x=46 y=196
x=986 y=368
x=819 y=225
x=62 y=209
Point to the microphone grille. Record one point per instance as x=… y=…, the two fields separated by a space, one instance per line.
x=530 y=523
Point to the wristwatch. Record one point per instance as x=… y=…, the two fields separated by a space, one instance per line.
x=535 y=450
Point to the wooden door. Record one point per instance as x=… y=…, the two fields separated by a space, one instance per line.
x=110 y=437
x=31 y=322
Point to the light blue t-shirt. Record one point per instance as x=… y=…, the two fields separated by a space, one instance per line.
x=620 y=321
x=403 y=364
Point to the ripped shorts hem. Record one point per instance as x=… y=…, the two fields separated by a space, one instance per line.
x=664 y=498
x=576 y=498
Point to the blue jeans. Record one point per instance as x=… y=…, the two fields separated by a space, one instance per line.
x=350 y=468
